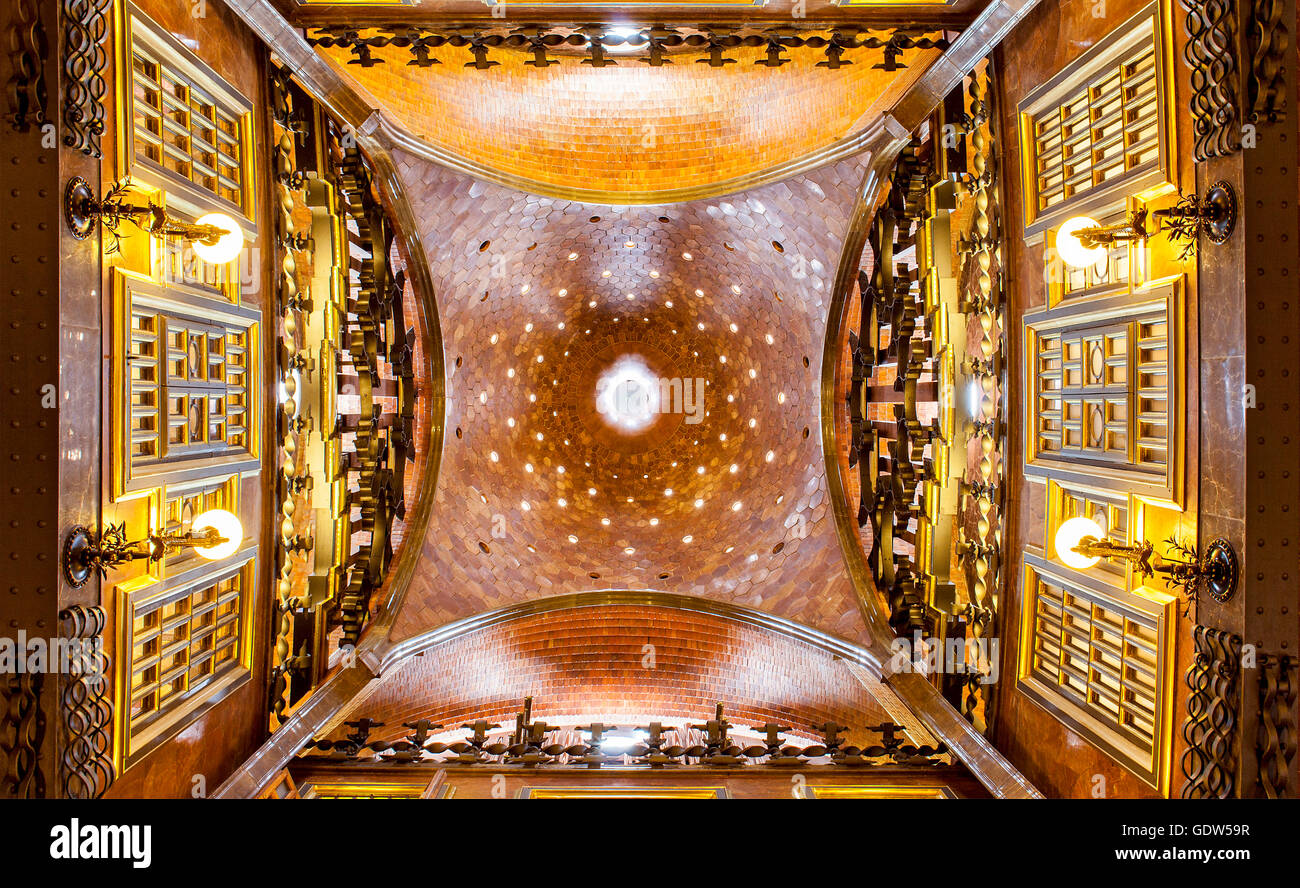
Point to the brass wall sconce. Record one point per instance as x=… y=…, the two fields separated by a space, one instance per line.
x=216 y=237
x=1081 y=543
x=1082 y=242
x=214 y=535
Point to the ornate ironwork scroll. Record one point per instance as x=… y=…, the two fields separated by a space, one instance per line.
x=931 y=328
x=1210 y=54
x=891 y=458
x=29 y=49
x=22 y=732
x=346 y=421
x=708 y=44
x=378 y=363
x=294 y=417
x=1210 y=731
x=1275 y=737
x=980 y=533
x=709 y=744
x=85 y=31
x=88 y=769
x=1267 y=42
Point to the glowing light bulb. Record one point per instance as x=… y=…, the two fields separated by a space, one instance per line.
x=1071 y=248
x=1069 y=535
x=227 y=246
x=227 y=525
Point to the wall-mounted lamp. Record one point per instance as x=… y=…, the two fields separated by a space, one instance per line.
x=214 y=535
x=215 y=236
x=1082 y=242
x=1081 y=543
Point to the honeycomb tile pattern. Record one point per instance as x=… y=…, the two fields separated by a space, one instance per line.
x=631 y=127
x=533 y=498
x=588 y=664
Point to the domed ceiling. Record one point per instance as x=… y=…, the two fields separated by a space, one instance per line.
x=585 y=664
x=630 y=128
x=540 y=492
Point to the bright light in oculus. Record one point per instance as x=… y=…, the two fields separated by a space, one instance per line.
x=627 y=395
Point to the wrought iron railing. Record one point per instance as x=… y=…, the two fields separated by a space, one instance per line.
x=711 y=742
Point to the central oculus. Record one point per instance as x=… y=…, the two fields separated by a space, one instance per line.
x=627 y=394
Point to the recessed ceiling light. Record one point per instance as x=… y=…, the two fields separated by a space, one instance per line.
x=687 y=256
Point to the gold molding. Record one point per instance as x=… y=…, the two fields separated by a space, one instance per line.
x=125 y=286
x=183 y=193
x=1167 y=490
x=1142 y=181
x=880 y=791
x=129 y=750
x=1154 y=768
